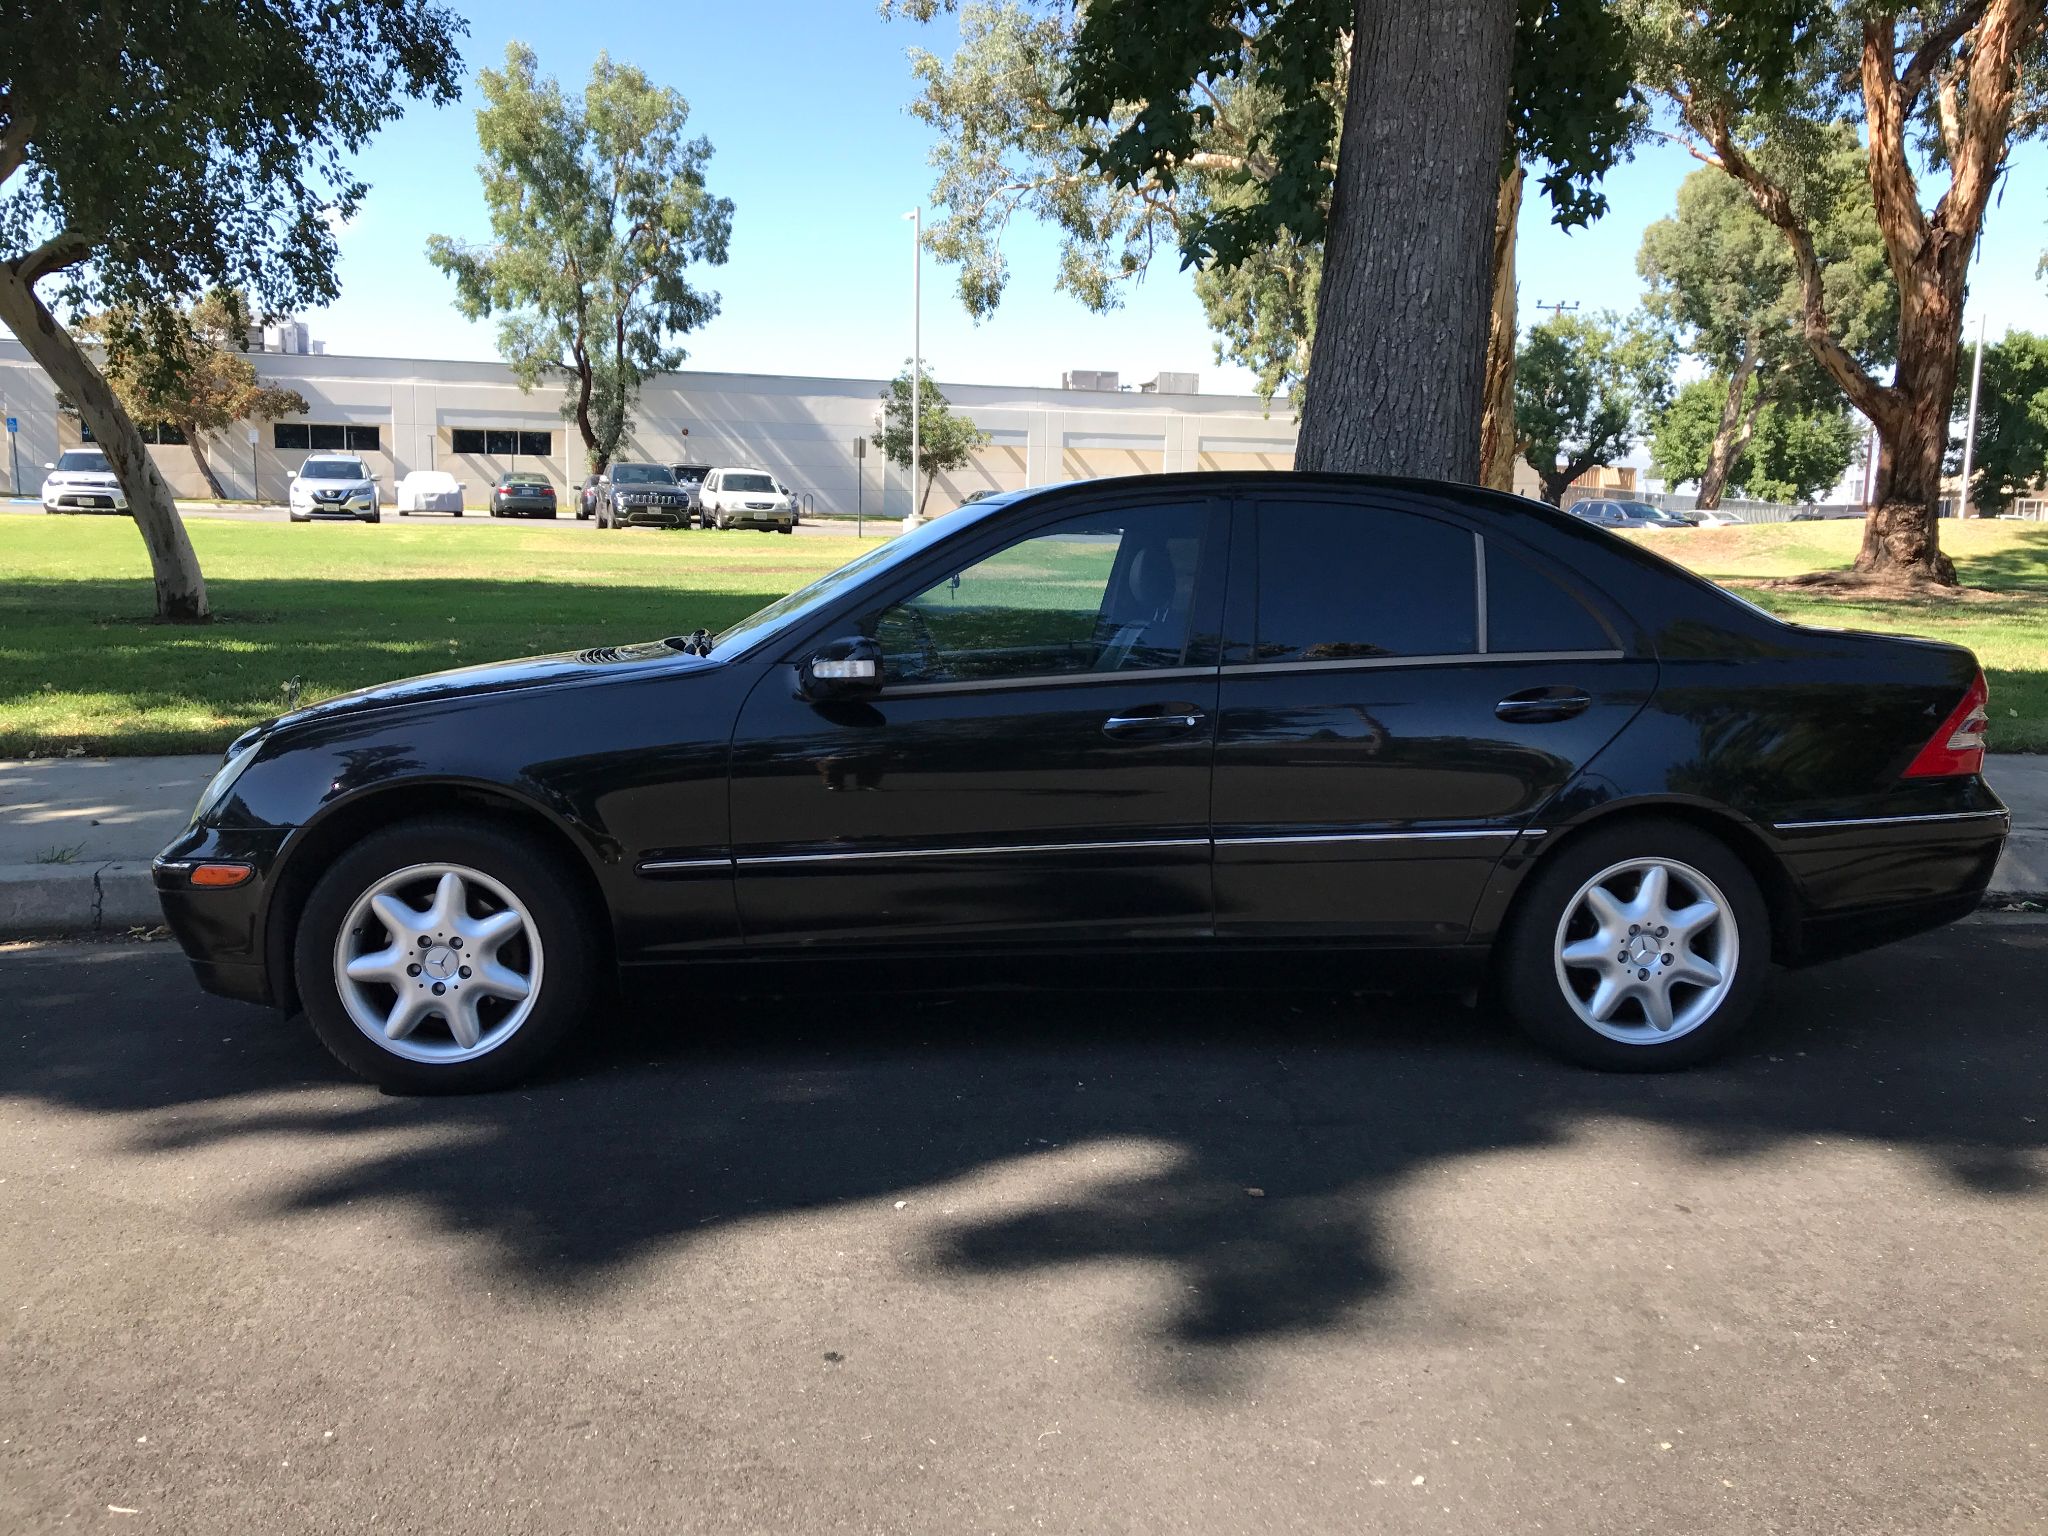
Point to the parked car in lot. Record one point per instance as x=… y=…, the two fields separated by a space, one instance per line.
x=1715 y=518
x=81 y=480
x=429 y=490
x=642 y=495
x=587 y=495
x=1405 y=730
x=1664 y=517
x=334 y=485
x=522 y=493
x=691 y=478
x=746 y=498
x=1612 y=514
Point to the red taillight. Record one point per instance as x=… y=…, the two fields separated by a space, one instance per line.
x=1958 y=747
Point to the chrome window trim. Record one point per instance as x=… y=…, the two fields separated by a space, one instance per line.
x=1891 y=821
x=1377 y=663
x=1043 y=680
x=865 y=855
x=1480 y=639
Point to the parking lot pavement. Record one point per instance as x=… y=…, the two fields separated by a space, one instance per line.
x=1099 y=1262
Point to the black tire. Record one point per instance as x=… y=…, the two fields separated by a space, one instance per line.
x=543 y=882
x=1527 y=970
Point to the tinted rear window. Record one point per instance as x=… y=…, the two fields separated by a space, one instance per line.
x=1341 y=583
x=1528 y=611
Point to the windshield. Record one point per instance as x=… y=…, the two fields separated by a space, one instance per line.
x=83 y=460
x=333 y=469
x=692 y=471
x=641 y=474
x=747 y=483
x=432 y=480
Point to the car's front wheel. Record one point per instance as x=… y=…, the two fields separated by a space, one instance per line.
x=444 y=955
x=1639 y=948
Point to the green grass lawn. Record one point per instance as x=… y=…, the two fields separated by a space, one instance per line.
x=339 y=606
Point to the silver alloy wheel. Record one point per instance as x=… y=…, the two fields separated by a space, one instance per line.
x=438 y=963
x=1647 y=950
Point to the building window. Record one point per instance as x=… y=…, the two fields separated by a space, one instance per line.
x=326 y=437
x=501 y=443
x=163 y=432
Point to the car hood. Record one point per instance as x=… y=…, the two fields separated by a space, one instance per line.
x=351 y=486
x=501 y=677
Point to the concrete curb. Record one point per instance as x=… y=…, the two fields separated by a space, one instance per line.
x=105 y=897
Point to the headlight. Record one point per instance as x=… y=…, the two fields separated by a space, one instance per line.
x=239 y=756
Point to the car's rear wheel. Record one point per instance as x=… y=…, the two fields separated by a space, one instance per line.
x=1639 y=948
x=445 y=956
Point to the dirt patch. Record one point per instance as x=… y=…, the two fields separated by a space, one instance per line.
x=1874 y=588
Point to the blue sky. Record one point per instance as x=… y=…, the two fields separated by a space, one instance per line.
x=804 y=103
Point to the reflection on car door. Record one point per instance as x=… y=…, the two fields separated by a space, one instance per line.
x=1036 y=765
x=1399 y=697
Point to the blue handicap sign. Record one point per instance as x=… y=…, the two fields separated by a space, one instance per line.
x=13 y=425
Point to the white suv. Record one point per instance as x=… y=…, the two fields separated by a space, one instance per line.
x=745 y=498
x=82 y=481
x=334 y=485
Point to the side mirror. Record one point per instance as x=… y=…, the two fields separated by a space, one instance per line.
x=842 y=669
x=48 y=465
x=293 y=475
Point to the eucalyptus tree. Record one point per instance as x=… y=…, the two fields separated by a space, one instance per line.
x=598 y=208
x=1939 y=92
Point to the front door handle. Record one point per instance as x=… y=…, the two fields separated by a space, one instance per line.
x=1170 y=722
x=1539 y=706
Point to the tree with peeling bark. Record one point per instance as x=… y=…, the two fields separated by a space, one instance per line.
x=206 y=386
x=1721 y=278
x=598 y=208
x=1585 y=387
x=1137 y=128
x=1945 y=86
x=149 y=153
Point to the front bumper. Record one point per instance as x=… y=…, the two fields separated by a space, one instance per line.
x=672 y=514
x=222 y=931
x=356 y=508
x=760 y=517
x=84 y=501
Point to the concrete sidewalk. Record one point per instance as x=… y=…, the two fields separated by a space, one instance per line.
x=77 y=835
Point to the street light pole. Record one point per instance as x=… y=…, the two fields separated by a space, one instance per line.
x=916 y=217
x=1970 y=433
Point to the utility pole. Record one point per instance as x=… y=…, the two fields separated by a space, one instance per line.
x=1559 y=308
x=916 y=217
x=1970 y=433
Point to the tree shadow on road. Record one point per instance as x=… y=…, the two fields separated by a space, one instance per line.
x=680 y=1122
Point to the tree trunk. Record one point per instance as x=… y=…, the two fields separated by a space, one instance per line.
x=199 y=458
x=180 y=588
x=1901 y=532
x=1556 y=482
x=1726 y=448
x=1398 y=374
x=1497 y=423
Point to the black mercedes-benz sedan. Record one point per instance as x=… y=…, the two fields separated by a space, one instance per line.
x=1416 y=729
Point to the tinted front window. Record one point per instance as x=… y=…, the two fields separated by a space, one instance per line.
x=758 y=483
x=1350 y=582
x=1528 y=611
x=333 y=469
x=641 y=474
x=80 y=463
x=1106 y=592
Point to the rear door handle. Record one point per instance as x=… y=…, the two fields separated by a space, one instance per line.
x=1168 y=723
x=1539 y=706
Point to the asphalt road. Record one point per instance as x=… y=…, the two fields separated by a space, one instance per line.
x=1218 y=1262
x=875 y=527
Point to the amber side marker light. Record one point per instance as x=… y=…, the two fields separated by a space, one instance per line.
x=220 y=875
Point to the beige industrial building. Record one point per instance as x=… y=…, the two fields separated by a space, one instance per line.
x=473 y=420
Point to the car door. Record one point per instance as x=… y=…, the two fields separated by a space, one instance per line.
x=1036 y=763
x=1401 y=695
